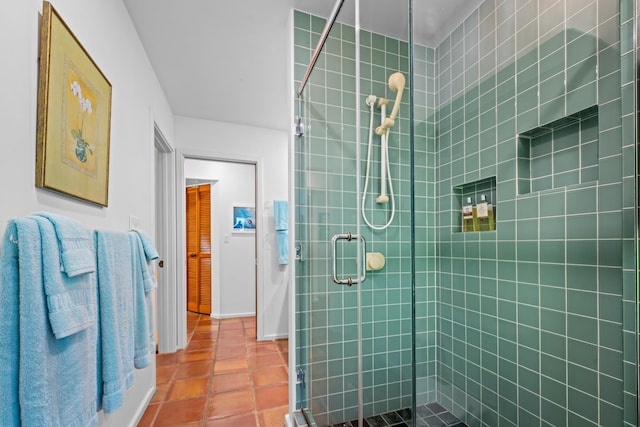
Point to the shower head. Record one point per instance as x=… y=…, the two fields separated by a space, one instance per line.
x=396 y=82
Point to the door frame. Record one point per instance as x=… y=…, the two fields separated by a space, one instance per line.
x=169 y=337
x=181 y=296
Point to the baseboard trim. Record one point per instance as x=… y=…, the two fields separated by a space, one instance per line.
x=232 y=316
x=142 y=408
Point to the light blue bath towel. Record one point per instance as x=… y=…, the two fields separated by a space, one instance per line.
x=9 y=324
x=150 y=253
x=281 y=216
x=116 y=304
x=77 y=255
x=56 y=377
x=71 y=289
x=143 y=282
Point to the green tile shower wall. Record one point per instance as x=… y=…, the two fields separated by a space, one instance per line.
x=536 y=322
x=326 y=196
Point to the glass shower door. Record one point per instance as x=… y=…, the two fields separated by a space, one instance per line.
x=330 y=269
x=354 y=342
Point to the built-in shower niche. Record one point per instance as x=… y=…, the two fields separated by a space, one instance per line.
x=474 y=191
x=561 y=153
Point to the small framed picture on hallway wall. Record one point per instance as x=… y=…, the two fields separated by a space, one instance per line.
x=244 y=219
x=74 y=115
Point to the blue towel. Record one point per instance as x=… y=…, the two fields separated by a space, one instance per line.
x=56 y=377
x=9 y=324
x=143 y=283
x=116 y=302
x=76 y=247
x=150 y=253
x=71 y=299
x=281 y=214
x=282 y=237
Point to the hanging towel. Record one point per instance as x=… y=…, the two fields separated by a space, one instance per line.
x=281 y=216
x=150 y=253
x=56 y=377
x=71 y=299
x=143 y=283
x=9 y=324
x=76 y=247
x=115 y=290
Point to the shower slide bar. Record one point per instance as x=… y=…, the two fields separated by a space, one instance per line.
x=321 y=42
x=334 y=261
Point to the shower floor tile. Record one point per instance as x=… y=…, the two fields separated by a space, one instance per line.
x=429 y=415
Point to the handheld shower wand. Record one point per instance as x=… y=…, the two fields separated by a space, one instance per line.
x=396 y=84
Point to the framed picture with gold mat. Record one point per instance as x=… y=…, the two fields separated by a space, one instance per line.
x=74 y=115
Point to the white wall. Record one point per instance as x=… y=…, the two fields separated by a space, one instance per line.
x=233 y=272
x=106 y=32
x=224 y=141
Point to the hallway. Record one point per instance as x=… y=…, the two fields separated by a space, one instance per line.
x=223 y=378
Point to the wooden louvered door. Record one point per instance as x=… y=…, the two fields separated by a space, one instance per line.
x=199 y=249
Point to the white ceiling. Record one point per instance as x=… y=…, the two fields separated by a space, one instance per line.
x=228 y=60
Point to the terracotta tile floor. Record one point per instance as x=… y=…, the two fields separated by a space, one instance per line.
x=223 y=378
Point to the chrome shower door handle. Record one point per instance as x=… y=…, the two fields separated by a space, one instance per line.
x=334 y=262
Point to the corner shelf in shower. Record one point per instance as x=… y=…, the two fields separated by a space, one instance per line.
x=474 y=189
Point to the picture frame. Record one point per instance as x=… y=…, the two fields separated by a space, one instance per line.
x=74 y=116
x=244 y=218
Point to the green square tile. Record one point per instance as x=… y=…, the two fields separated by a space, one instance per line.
x=553 y=321
x=553 y=344
x=553 y=367
x=552 y=204
x=610 y=253
x=552 y=251
x=583 y=404
x=528 y=272
x=582 y=379
x=552 y=407
x=583 y=226
x=583 y=303
x=582 y=97
x=583 y=354
x=552 y=274
x=581 y=200
x=527 y=207
x=582 y=277
x=610 y=225
x=527 y=229
x=582 y=328
x=528 y=99
x=529 y=397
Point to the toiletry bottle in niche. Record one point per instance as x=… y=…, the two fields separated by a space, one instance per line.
x=468 y=217
x=492 y=215
x=485 y=215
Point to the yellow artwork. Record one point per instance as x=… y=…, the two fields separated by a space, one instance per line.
x=74 y=112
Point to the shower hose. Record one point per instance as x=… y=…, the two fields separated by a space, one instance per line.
x=366 y=178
